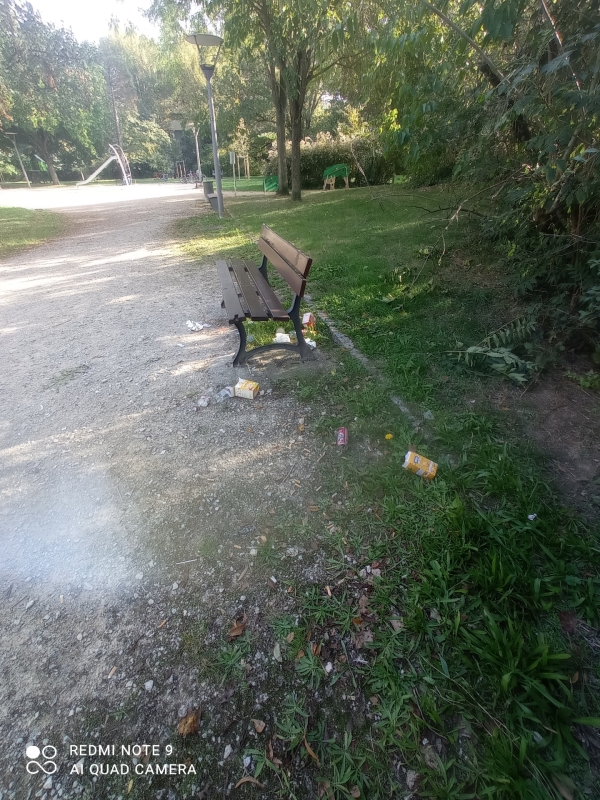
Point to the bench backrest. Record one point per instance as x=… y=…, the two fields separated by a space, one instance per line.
x=290 y=263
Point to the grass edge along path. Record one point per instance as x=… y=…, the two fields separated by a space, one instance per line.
x=21 y=228
x=471 y=599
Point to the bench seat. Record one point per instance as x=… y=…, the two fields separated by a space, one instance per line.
x=247 y=294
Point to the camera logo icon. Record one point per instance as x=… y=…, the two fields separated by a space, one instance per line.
x=41 y=760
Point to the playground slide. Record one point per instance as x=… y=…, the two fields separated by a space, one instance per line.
x=97 y=172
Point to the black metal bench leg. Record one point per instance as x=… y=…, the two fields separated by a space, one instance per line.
x=241 y=354
x=306 y=353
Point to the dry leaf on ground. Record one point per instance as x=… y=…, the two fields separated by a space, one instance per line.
x=249 y=779
x=290 y=637
x=397 y=624
x=355 y=792
x=239 y=627
x=568 y=621
x=430 y=757
x=361 y=638
x=189 y=724
x=259 y=725
x=564 y=789
x=311 y=752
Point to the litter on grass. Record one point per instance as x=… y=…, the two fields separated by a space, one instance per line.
x=420 y=465
x=282 y=338
x=310 y=343
x=247 y=389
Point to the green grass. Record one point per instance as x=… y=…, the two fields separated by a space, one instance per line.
x=469 y=678
x=20 y=228
x=251 y=184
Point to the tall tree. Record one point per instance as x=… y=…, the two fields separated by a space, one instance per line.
x=58 y=93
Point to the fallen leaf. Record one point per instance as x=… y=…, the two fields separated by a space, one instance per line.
x=290 y=637
x=564 y=789
x=574 y=678
x=313 y=508
x=242 y=573
x=263 y=539
x=249 y=779
x=259 y=725
x=435 y=615
x=361 y=638
x=357 y=620
x=300 y=654
x=311 y=752
x=355 y=791
x=430 y=757
x=314 y=545
x=412 y=780
x=162 y=624
x=130 y=786
x=397 y=624
x=112 y=672
x=239 y=627
x=374 y=700
x=189 y=723
x=277 y=653
x=568 y=621
x=328 y=590
x=363 y=602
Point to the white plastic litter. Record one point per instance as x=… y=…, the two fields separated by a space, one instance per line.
x=310 y=343
x=196 y=326
x=531 y=517
x=282 y=338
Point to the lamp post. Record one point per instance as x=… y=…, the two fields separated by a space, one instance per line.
x=207 y=44
x=195 y=131
x=14 y=141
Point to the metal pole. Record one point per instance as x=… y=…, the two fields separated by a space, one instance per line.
x=197 y=153
x=208 y=73
x=14 y=141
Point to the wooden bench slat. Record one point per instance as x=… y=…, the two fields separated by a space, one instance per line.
x=251 y=296
x=268 y=295
x=230 y=294
x=295 y=281
x=296 y=258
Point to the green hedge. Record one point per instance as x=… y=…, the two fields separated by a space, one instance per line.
x=316 y=156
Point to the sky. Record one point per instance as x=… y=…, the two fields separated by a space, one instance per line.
x=89 y=21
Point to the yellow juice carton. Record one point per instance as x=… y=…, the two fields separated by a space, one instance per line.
x=420 y=465
x=247 y=389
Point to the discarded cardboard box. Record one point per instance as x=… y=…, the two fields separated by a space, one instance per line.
x=247 y=389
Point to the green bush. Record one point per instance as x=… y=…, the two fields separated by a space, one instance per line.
x=325 y=151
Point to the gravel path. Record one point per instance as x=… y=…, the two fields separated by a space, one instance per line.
x=110 y=477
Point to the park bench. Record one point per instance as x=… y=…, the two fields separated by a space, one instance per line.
x=247 y=294
x=271 y=183
x=336 y=171
x=210 y=195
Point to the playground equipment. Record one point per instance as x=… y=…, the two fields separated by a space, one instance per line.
x=271 y=183
x=336 y=171
x=117 y=155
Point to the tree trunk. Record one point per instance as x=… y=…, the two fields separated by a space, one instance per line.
x=297 y=96
x=296 y=123
x=280 y=101
x=48 y=159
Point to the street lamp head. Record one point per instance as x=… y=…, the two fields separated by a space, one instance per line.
x=209 y=47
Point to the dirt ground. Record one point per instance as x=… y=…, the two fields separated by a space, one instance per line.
x=131 y=521
x=127 y=515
